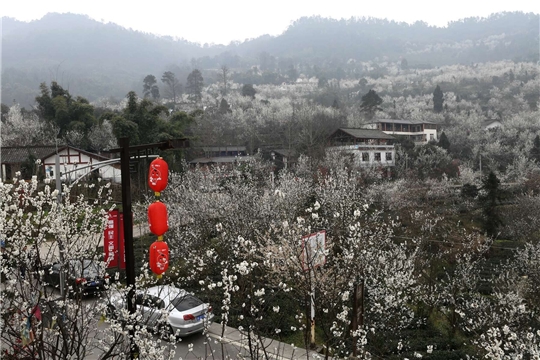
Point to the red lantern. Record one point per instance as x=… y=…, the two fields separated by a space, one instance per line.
x=158 y=220
x=158 y=175
x=159 y=257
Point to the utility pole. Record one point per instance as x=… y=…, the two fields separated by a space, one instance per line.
x=480 y=156
x=128 y=221
x=128 y=240
x=358 y=312
x=60 y=243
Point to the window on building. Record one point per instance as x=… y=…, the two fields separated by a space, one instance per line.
x=365 y=156
x=431 y=137
x=377 y=156
x=388 y=156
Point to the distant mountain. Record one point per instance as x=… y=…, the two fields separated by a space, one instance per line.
x=500 y=36
x=91 y=58
x=95 y=60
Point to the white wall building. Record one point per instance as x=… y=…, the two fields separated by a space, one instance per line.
x=367 y=147
x=73 y=162
x=421 y=132
x=369 y=155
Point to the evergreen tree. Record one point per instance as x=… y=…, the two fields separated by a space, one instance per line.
x=370 y=104
x=492 y=194
x=248 y=90
x=292 y=74
x=59 y=108
x=323 y=82
x=224 y=78
x=444 y=142
x=194 y=85
x=150 y=87
x=174 y=87
x=438 y=99
x=535 y=151
x=404 y=64
x=142 y=121
x=224 y=107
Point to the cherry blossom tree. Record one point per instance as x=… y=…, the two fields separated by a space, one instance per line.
x=37 y=231
x=24 y=129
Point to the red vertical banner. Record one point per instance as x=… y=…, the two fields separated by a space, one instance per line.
x=121 y=245
x=110 y=240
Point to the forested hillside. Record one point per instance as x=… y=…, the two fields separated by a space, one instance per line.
x=96 y=60
x=510 y=36
x=435 y=257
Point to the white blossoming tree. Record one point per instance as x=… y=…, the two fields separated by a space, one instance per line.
x=37 y=231
x=38 y=321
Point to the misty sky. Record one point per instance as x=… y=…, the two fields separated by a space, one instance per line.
x=219 y=21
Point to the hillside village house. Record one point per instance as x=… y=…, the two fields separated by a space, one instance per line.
x=367 y=146
x=491 y=124
x=71 y=158
x=421 y=132
x=221 y=155
x=283 y=158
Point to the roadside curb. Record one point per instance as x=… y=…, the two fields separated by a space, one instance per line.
x=273 y=349
x=269 y=348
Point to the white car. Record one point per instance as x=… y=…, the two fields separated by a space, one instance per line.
x=185 y=314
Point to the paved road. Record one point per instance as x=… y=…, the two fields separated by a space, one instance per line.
x=219 y=343
x=209 y=346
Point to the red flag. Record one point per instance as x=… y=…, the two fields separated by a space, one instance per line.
x=37 y=312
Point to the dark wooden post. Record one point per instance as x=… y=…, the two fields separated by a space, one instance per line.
x=358 y=312
x=128 y=239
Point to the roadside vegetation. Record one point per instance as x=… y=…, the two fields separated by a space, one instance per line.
x=439 y=260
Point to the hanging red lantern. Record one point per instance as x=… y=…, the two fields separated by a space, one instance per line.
x=159 y=257
x=158 y=220
x=158 y=175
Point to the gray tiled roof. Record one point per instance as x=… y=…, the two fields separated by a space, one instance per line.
x=221 y=159
x=19 y=154
x=367 y=134
x=285 y=152
x=224 y=148
x=401 y=121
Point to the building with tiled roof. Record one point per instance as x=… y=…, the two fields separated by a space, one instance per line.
x=421 y=132
x=73 y=162
x=368 y=147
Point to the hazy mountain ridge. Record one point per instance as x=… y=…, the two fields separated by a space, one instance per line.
x=94 y=59
x=367 y=38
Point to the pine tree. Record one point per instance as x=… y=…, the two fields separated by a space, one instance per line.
x=150 y=87
x=535 y=151
x=194 y=85
x=491 y=187
x=370 y=104
x=224 y=107
x=444 y=142
x=174 y=87
x=248 y=90
x=438 y=99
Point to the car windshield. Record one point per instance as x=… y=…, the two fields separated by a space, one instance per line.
x=186 y=302
x=89 y=268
